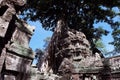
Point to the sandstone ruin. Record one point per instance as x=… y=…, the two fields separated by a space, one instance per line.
x=15 y=54
x=68 y=55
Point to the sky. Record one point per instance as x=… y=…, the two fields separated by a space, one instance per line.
x=37 y=40
x=106 y=39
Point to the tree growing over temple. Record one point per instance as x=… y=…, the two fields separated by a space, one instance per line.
x=76 y=14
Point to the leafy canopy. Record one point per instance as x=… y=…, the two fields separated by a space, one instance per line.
x=116 y=37
x=77 y=14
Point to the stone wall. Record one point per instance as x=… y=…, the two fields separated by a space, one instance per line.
x=15 y=54
x=114 y=63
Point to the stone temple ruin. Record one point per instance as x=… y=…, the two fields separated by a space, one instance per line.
x=67 y=57
x=15 y=55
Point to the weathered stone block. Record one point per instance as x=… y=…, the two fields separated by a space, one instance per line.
x=23 y=26
x=114 y=63
x=19 y=2
x=17 y=63
x=9 y=77
x=75 y=77
x=21 y=38
x=66 y=66
x=16 y=2
x=3 y=27
x=21 y=50
x=2 y=59
x=22 y=34
x=7 y=16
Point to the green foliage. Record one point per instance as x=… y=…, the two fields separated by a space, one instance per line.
x=99 y=44
x=39 y=53
x=116 y=36
x=116 y=31
x=77 y=14
x=99 y=32
x=47 y=41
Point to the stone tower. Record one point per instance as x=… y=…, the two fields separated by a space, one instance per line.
x=67 y=45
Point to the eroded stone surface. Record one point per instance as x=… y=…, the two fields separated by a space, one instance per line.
x=2 y=59
x=17 y=63
x=3 y=27
x=9 y=77
x=15 y=54
x=21 y=50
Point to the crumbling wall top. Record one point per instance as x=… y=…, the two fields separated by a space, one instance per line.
x=8 y=8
